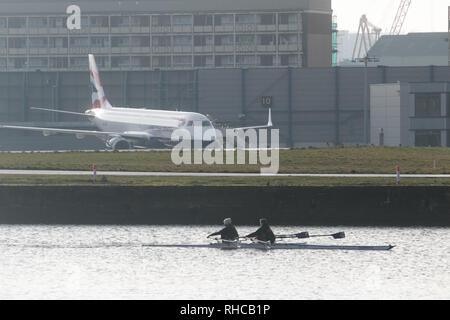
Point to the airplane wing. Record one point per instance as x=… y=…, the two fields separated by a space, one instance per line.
x=81 y=133
x=61 y=111
x=268 y=125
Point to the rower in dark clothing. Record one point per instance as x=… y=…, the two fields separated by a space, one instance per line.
x=229 y=233
x=264 y=233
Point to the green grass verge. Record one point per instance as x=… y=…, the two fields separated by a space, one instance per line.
x=23 y=180
x=377 y=160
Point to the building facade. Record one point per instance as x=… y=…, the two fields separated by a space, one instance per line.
x=411 y=114
x=146 y=34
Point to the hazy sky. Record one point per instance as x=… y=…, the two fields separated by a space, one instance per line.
x=423 y=15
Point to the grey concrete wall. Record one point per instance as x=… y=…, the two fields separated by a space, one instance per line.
x=325 y=106
x=317 y=40
x=383 y=206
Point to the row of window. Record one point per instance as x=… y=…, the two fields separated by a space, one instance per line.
x=155 y=61
x=144 y=41
x=430 y=138
x=155 y=20
x=429 y=105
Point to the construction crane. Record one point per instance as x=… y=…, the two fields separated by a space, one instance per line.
x=400 y=17
x=366 y=37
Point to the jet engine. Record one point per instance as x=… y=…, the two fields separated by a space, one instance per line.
x=118 y=143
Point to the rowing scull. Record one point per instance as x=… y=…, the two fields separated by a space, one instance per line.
x=276 y=246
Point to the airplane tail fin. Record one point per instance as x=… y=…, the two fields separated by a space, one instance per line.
x=98 y=95
x=269 y=122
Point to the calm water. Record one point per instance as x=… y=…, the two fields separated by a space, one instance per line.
x=108 y=262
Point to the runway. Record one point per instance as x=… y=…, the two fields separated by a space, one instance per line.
x=211 y=174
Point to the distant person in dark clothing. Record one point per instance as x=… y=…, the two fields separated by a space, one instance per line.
x=229 y=233
x=264 y=233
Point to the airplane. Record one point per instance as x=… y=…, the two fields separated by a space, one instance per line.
x=128 y=128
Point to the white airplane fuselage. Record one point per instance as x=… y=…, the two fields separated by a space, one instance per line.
x=159 y=124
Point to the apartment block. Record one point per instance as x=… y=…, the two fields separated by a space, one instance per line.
x=136 y=35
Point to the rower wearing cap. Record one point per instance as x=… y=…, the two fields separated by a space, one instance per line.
x=228 y=233
x=264 y=233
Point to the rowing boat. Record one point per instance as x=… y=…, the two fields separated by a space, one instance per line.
x=276 y=246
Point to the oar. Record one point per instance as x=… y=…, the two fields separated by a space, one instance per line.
x=339 y=235
x=304 y=235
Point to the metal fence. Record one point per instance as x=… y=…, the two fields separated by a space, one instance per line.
x=311 y=106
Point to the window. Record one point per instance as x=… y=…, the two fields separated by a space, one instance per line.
x=182 y=61
x=266 y=39
x=37 y=22
x=203 y=20
x=3 y=43
x=161 y=21
x=182 y=20
x=448 y=105
x=428 y=138
x=58 y=42
x=57 y=22
x=102 y=61
x=448 y=139
x=79 y=42
x=246 y=39
x=267 y=19
x=120 y=41
x=288 y=59
x=203 y=40
x=2 y=63
x=203 y=61
x=78 y=62
x=118 y=62
x=224 y=40
x=140 y=41
x=162 y=41
x=288 y=18
x=140 y=21
x=224 y=20
x=162 y=61
x=287 y=38
x=140 y=61
x=17 y=43
x=84 y=22
x=245 y=19
x=99 y=22
x=38 y=62
x=17 y=63
x=100 y=42
x=266 y=60
x=120 y=21
x=245 y=60
x=428 y=104
x=38 y=42
x=17 y=22
x=224 y=61
x=182 y=41
x=60 y=62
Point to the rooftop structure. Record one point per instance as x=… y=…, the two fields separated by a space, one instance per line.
x=413 y=49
